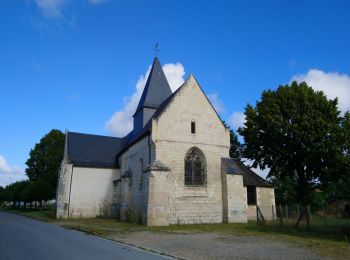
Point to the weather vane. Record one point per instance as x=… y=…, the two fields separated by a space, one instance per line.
x=156 y=49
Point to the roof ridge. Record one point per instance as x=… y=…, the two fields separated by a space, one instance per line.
x=71 y=132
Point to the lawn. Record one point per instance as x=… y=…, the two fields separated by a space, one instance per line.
x=328 y=236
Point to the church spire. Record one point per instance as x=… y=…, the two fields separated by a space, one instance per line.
x=156 y=91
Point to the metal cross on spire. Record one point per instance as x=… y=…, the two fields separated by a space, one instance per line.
x=156 y=49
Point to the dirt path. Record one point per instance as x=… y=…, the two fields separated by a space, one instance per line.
x=216 y=246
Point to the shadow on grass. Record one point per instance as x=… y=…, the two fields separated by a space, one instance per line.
x=323 y=228
x=335 y=229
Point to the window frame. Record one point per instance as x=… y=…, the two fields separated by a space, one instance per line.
x=251 y=195
x=193 y=127
x=195 y=167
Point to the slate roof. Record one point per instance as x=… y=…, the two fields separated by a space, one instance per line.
x=102 y=151
x=250 y=178
x=157 y=88
x=230 y=167
x=136 y=135
x=97 y=151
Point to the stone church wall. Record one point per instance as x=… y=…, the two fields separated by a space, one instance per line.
x=133 y=161
x=63 y=189
x=92 y=192
x=85 y=192
x=265 y=199
x=236 y=202
x=172 y=136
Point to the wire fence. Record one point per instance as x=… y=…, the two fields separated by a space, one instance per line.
x=329 y=222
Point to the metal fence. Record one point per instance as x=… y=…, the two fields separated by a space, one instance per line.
x=334 y=221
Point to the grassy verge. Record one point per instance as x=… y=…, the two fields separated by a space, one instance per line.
x=330 y=239
x=44 y=215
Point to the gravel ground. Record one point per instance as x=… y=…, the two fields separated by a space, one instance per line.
x=216 y=246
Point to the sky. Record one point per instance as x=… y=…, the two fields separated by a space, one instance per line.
x=81 y=65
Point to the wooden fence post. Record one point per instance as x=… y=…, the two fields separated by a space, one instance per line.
x=281 y=215
x=298 y=211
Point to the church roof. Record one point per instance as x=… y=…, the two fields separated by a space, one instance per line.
x=97 y=151
x=157 y=88
x=136 y=135
x=250 y=178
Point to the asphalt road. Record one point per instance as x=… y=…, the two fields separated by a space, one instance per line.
x=25 y=238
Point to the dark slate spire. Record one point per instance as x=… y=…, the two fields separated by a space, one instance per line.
x=156 y=90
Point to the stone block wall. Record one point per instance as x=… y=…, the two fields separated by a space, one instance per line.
x=133 y=162
x=236 y=203
x=171 y=134
x=63 y=189
x=192 y=204
x=266 y=201
x=157 y=199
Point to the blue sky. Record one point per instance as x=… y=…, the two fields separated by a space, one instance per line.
x=74 y=64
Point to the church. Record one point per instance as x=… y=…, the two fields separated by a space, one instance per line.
x=172 y=168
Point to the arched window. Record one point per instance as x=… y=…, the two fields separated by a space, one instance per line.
x=195 y=167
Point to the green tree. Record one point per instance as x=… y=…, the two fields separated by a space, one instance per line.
x=235 y=145
x=339 y=190
x=284 y=190
x=345 y=125
x=13 y=192
x=44 y=162
x=2 y=195
x=295 y=132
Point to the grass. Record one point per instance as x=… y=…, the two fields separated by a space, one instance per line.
x=328 y=236
x=44 y=215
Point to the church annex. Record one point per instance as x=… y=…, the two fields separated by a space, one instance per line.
x=173 y=167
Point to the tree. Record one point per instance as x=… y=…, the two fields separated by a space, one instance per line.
x=235 y=145
x=44 y=162
x=295 y=132
x=284 y=190
x=339 y=190
x=2 y=195
x=13 y=192
x=345 y=126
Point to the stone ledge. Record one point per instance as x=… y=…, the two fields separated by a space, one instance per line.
x=157 y=166
x=127 y=174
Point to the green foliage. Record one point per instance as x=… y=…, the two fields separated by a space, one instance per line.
x=43 y=166
x=285 y=193
x=133 y=216
x=12 y=192
x=44 y=162
x=295 y=131
x=235 y=145
x=2 y=195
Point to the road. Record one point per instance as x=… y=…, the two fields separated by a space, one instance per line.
x=25 y=238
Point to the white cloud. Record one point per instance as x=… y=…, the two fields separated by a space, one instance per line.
x=121 y=122
x=9 y=174
x=216 y=102
x=331 y=83
x=51 y=8
x=174 y=73
x=237 y=119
